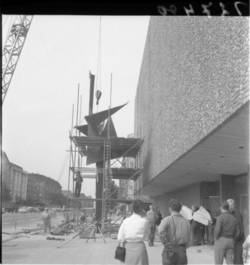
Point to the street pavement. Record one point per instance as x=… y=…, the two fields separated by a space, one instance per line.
x=14 y=222
x=36 y=249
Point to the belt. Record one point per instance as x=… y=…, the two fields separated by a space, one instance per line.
x=230 y=237
x=134 y=241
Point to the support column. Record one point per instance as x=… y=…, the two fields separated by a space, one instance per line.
x=99 y=190
x=248 y=202
x=227 y=187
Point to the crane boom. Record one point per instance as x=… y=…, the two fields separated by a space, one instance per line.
x=12 y=50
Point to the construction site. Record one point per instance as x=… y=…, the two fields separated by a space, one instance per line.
x=149 y=108
x=95 y=152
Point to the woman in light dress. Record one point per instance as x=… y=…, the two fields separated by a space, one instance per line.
x=132 y=233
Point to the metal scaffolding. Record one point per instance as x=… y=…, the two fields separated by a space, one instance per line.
x=101 y=145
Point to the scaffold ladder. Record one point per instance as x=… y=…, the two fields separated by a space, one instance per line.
x=106 y=177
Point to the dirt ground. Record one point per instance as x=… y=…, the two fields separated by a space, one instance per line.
x=36 y=249
x=30 y=249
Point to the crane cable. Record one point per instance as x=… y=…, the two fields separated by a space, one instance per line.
x=99 y=60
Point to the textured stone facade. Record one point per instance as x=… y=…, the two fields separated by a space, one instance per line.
x=194 y=75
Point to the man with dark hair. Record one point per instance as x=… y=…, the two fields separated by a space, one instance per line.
x=175 y=235
x=137 y=206
x=226 y=230
x=238 y=250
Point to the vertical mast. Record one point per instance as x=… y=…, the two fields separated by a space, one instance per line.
x=70 y=154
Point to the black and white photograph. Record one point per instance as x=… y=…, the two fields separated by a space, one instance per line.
x=125 y=138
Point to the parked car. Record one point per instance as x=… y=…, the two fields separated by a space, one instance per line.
x=23 y=209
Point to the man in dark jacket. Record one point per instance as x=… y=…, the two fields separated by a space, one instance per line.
x=225 y=232
x=240 y=239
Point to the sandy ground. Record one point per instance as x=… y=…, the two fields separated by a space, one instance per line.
x=36 y=249
x=30 y=249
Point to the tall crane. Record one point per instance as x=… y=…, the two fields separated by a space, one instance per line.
x=12 y=50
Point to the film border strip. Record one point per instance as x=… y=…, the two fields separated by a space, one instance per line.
x=166 y=8
x=204 y=8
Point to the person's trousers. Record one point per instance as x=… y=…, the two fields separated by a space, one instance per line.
x=151 y=235
x=78 y=190
x=224 y=248
x=181 y=257
x=210 y=234
x=47 y=226
x=238 y=251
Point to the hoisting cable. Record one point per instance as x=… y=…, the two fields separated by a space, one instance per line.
x=98 y=89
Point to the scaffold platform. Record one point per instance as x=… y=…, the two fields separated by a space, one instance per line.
x=92 y=147
x=116 y=172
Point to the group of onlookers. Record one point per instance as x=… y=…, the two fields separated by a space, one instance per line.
x=177 y=234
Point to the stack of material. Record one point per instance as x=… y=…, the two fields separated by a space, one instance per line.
x=88 y=231
x=202 y=216
x=55 y=238
x=63 y=229
x=113 y=227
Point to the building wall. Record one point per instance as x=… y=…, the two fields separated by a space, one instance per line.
x=194 y=75
x=189 y=196
x=210 y=195
x=128 y=186
x=239 y=192
x=24 y=186
x=15 y=179
x=5 y=169
x=41 y=189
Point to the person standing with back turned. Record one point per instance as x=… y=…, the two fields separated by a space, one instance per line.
x=226 y=230
x=241 y=237
x=132 y=233
x=175 y=235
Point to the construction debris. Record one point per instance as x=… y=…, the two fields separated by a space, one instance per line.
x=55 y=238
x=64 y=229
x=66 y=242
x=88 y=231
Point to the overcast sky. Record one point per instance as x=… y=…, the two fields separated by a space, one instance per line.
x=58 y=54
